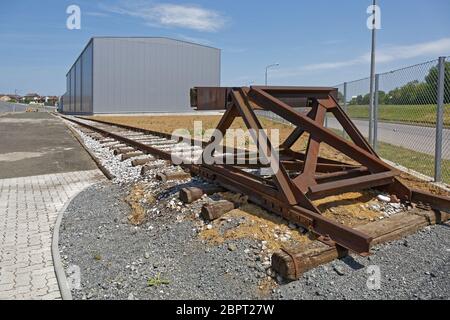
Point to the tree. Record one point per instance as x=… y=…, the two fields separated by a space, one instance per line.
x=432 y=80
x=414 y=92
x=340 y=97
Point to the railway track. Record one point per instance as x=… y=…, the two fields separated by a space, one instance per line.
x=148 y=146
x=144 y=147
x=300 y=178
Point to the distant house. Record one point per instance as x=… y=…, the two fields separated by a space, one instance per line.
x=9 y=97
x=33 y=97
x=51 y=100
x=4 y=98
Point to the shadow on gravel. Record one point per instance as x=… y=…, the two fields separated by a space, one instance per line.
x=352 y=263
x=170 y=191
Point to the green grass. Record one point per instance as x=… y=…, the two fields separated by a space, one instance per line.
x=418 y=114
x=157 y=281
x=417 y=161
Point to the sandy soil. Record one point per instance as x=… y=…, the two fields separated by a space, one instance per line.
x=168 y=124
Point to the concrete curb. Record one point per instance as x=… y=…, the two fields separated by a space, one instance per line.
x=57 y=264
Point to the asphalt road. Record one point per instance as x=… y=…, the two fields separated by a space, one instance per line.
x=417 y=138
x=36 y=143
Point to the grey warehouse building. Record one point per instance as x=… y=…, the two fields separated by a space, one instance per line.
x=138 y=75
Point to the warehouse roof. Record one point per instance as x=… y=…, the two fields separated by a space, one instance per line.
x=135 y=38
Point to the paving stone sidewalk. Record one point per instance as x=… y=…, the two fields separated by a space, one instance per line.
x=28 y=210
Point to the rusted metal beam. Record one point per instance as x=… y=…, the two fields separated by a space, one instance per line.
x=353 y=184
x=333 y=176
x=435 y=201
x=360 y=155
x=297 y=133
x=306 y=178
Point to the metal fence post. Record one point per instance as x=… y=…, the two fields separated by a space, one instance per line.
x=345 y=104
x=375 y=113
x=439 y=121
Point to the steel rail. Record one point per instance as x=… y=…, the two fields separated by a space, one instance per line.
x=258 y=192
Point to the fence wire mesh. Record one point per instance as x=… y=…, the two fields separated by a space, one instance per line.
x=11 y=107
x=405 y=116
x=20 y=107
x=407 y=113
x=354 y=97
x=446 y=131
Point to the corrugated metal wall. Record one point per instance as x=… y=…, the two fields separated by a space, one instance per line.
x=133 y=75
x=86 y=80
x=79 y=92
x=77 y=108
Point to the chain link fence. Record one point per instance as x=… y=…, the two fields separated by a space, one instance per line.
x=20 y=107
x=407 y=129
x=446 y=122
x=406 y=116
x=11 y=107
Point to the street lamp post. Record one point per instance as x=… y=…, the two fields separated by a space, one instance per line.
x=270 y=66
x=372 y=77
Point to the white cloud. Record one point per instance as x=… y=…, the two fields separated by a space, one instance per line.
x=195 y=40
x=331 y=65
x=388 y=54
x=171 y=15
x=433 y=48
x=96 y=14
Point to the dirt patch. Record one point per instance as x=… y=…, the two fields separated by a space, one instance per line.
x=352 y=208
x=256 y=223
x=417 y=183
x=136 y=198
x=265 y=287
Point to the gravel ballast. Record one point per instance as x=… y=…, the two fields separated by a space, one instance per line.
x=165 y=259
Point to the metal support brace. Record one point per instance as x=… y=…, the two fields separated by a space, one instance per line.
x=345 y=104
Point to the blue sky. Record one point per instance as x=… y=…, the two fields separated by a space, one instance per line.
x=317 y=42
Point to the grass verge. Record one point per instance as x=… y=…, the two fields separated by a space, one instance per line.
x=417 y=161
x=424 y=115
